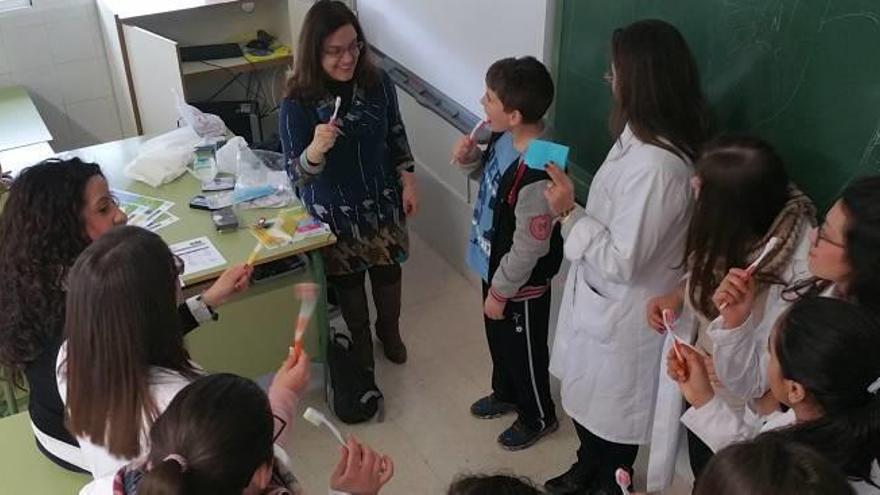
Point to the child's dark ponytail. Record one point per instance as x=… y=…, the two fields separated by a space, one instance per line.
x=212 y=438
x=830 y=347
x=166 y=478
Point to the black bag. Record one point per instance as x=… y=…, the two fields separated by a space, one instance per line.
x=352 y=393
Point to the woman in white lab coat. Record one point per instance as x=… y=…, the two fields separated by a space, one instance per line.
x=744 y=199
x=625 y=247
x=823 y=365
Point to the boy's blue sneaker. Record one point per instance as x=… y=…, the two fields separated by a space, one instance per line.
x=490 y=408
x=521 y=436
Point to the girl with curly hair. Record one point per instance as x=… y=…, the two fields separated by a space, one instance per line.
x=53 y=211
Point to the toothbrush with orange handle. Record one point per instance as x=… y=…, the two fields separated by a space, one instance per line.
x=307 y=293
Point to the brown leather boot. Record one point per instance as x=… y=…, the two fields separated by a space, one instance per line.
x=386 y=283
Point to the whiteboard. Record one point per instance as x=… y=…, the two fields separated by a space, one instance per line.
x=451 y=43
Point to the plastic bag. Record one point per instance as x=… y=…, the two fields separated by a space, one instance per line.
x=227 y=155
x=163 y=158
x=259 y=168
x=206 y=125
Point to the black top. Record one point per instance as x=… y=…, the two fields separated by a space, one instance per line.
x=512 y=182
x=45 y=405
x=345 y=90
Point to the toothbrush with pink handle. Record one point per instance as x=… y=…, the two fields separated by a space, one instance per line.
x=770 y=246
x=307 y=293
x=678 y=341
x=668 y=326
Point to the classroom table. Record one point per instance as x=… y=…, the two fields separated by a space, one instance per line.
x=251 y=337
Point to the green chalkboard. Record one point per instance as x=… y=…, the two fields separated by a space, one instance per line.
x=803 y=74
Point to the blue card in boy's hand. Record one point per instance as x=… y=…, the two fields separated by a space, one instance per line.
x=540 y=153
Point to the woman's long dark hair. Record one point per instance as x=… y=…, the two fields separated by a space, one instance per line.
x=861 y=204
x=121 y=320
x=657 y=88
x=41 y=234
x=771 y=465
x=744 y=187
x=222 y=426
x=830 y=347
x=308 y=82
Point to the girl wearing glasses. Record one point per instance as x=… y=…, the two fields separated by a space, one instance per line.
x=743 y=198
x=353 y=169
x=843 y=262
x=53 y=211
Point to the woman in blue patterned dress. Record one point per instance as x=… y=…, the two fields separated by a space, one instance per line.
x=353 y=170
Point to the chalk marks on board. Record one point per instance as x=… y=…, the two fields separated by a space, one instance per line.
x=828 y=17
x=772 y=33
x=871 y=154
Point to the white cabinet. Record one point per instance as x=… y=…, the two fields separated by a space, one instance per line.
x=143 y=40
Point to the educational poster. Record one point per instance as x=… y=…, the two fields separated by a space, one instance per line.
x=144 y=211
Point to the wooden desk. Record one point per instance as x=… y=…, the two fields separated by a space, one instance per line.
x=253 y=333
x=235 y=65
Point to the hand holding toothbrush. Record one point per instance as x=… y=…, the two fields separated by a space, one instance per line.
x=672 y=302
x=294 y=373
x=324 y=137
x=691 y=375
x=465 y=149
x=735 y=296
x=232 y=282
x=361 y=470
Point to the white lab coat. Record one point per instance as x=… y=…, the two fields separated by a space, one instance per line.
x=741 y=353
x=624 y=247
x=718 y=426
x=740 y=357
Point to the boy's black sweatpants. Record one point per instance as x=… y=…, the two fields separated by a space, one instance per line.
x=521 y=358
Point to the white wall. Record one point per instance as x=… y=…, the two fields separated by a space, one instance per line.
x=449 y=44
x=54 y=49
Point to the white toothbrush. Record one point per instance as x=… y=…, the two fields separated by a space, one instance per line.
x=336 y=108
x=473 y=133
x=770 y=246
x=316 y=418
x=477 y=127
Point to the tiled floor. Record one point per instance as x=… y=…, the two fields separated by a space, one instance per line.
x=427 y=429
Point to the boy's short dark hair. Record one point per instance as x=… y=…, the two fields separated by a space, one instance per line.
x=522 y=84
